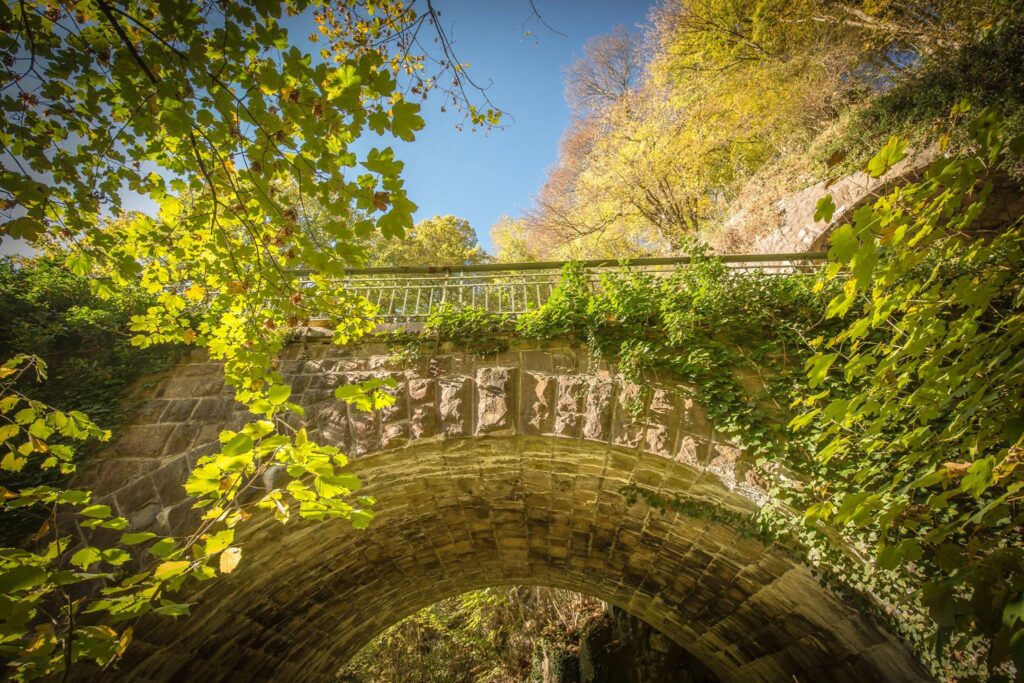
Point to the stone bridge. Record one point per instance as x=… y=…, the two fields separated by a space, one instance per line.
x=488 y=471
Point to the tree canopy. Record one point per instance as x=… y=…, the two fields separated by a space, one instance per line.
x=212 y=112
x=671 y=126
x=437 y=241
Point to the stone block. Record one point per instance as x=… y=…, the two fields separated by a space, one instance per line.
x=537 y=402
x=182 y=438
x=423 y=414
x=143 y=440
x=136 y=495
x=495 y=399
x=598 y=416
x=570 y=405
x=455 y=405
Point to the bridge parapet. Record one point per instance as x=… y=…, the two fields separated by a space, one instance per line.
x=412 y=293
x=552 y=389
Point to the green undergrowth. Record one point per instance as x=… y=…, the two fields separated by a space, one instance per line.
x=51 y=313
x=496 y=635
x=917 y=106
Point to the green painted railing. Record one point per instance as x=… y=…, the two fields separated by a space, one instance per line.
x=412 y=293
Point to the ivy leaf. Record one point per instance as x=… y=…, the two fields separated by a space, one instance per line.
x=824 y=209
x=892 y=153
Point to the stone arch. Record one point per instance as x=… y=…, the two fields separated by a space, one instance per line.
x=502 y=470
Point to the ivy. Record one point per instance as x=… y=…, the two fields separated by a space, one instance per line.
x=889 y=390
x=915 y=418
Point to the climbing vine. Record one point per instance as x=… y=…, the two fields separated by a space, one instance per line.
x=915 y=403
x=886 y=392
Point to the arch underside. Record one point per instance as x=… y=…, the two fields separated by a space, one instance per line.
x=462 y=514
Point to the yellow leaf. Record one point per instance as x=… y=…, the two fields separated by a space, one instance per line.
x=229 y=559
x=122 y=644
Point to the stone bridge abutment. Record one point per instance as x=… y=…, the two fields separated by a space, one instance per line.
x=495 y=470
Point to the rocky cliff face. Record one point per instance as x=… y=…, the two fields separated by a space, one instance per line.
x=767 y=224
x=763 y=224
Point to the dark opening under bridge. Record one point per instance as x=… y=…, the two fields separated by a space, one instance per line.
x=488 y=471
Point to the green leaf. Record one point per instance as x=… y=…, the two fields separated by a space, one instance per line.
x=96 y=511
x=173 y=609
x=116 y=556
x=21 y=577
x=817 y=368
x=11 y=462
x=220 y=540
x=405 y=120
x=134 y=538
x=892 y=153
x=278 y=394
x=163 y=548
x=1013 y=612
x=23 y=228
x=240 y=444
x=979 y=477
x=86 y=557
x=169 y=570
x=824 y=209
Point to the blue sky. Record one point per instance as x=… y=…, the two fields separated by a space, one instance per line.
x=480 y=177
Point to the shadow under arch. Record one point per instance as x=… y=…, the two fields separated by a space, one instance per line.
x=461 y=514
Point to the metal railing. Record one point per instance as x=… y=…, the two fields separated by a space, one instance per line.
x=412 y=293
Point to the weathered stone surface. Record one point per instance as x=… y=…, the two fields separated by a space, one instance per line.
x=569 y=408
x=394 y=419
x=454 y=405
x=628 y=429
x=537 y=402
x=423 y=420
x=597 y=419
x=487 y=471
x=494 y=398
x=662 y=423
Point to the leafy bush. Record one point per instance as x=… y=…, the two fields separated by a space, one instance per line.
x=990 y=71
x=915 y=403
x=51 y=313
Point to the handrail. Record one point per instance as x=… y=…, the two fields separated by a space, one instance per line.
x=557 y=265
x=413 y=293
